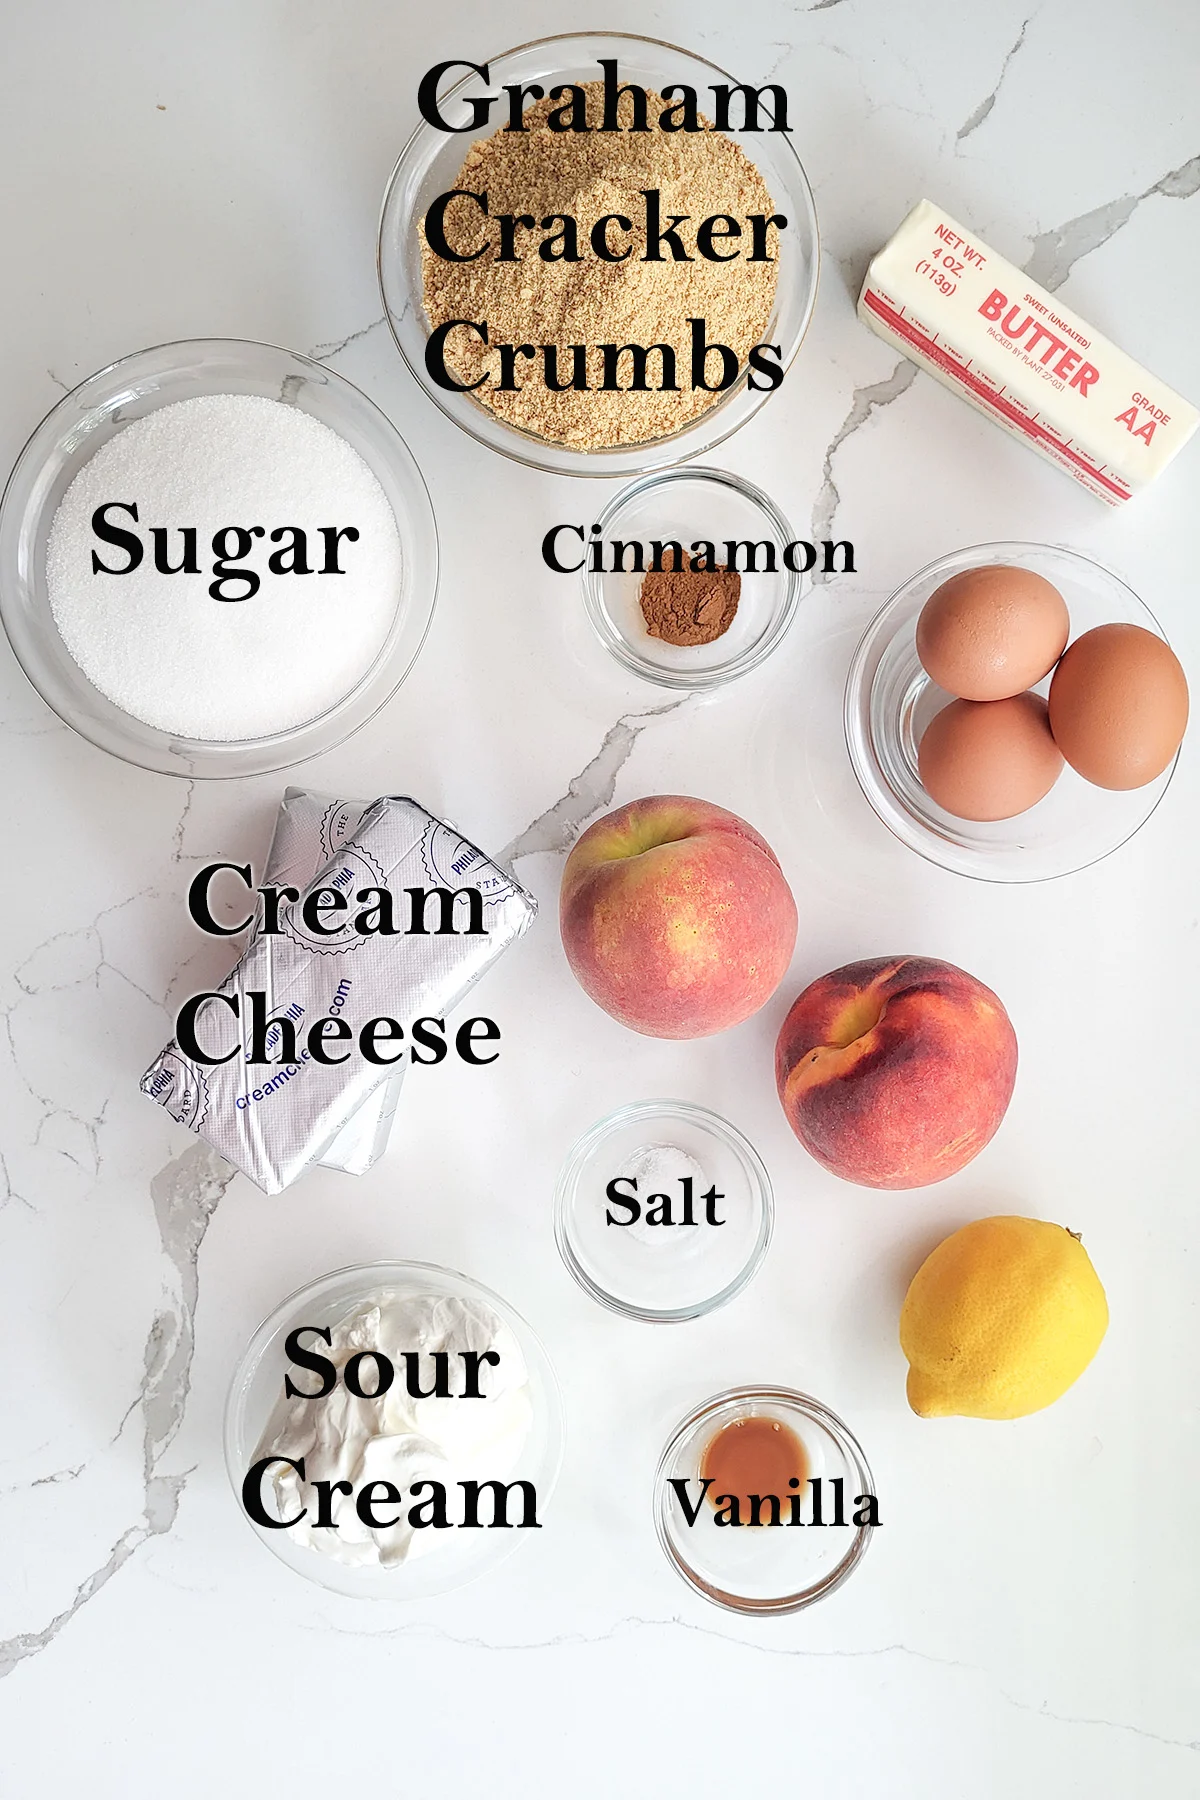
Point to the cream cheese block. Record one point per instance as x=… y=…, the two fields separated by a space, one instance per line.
x=1023 y=357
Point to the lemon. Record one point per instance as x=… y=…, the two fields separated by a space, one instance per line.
x=1000 y=1320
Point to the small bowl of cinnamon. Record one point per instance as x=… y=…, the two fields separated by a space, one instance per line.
x=691 y=577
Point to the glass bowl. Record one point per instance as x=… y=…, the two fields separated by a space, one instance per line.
x=664 y=1273
x=95 y=411
x=890 y=700
x=429 y=165
x=257 y=1384
x=767 y=1568
x=690 y=504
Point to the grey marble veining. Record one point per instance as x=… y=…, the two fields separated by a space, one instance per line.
x=1026 y=1616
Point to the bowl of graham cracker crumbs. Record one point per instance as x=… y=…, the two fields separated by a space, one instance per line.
x=690 y=577
x=604 y=259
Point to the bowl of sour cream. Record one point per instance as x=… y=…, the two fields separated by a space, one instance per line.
x=393 y=1430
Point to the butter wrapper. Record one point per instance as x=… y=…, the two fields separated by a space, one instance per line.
x=1022 y=356
x=309 y=830
x=274 y=1120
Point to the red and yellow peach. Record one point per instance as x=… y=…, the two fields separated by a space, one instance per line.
x=896 y=1071
x=676 y=917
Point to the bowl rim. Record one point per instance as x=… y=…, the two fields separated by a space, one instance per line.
x=810 y=1408
x=715 y=675
x=527 y=447
x=567 y=1183
x=379 y=1270
x=276 y=751
x=856 y=697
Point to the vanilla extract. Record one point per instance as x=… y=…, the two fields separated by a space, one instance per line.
x=755 y=1471
x=779 y=1509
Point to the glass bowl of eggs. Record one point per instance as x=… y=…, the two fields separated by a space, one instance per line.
x=1014 y=712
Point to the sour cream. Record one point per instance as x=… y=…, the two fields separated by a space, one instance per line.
x=474 y=1432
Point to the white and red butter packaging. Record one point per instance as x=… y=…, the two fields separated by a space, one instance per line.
x=1022 y=356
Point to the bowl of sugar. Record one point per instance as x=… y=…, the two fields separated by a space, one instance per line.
x=217 y=558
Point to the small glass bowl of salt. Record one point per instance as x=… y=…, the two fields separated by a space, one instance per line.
x=663 y=1211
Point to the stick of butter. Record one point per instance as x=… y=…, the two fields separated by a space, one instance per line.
x=1022 y=356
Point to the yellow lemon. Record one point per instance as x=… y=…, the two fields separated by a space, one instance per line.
x=1000 y=1320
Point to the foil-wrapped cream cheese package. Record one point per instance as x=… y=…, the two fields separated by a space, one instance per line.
x=1022 y=356
x=309 y=830
x=274 y=1121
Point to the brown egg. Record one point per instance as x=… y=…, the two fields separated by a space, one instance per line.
x=993 y=632
x=1119 y=706
x=989 y=759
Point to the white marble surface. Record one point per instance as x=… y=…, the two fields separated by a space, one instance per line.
x=1026 y=1618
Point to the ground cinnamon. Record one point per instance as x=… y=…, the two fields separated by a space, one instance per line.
x=690 y=606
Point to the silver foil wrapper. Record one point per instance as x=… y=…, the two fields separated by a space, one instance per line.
x=273 y=1121
x=309 y=830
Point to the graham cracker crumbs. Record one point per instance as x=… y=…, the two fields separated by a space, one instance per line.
x=588 y=175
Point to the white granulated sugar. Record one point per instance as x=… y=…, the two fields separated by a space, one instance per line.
x=161 y=647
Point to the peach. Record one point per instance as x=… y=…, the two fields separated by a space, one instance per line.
x=676 y=917
x=895 y=1072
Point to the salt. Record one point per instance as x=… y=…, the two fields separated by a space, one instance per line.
x=160 y=646
x=657 y=1169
